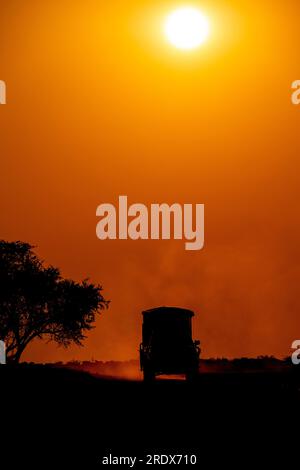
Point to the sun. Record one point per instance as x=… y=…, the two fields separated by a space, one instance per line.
x=186 y=28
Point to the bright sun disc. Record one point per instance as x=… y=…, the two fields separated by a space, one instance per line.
x=186 y=28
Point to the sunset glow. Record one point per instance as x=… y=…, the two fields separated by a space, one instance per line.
x=100 y=103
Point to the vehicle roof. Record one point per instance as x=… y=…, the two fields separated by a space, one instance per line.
x=168 y=310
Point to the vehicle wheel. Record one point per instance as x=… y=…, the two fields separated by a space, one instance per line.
x=192 y=375
x=149 y=375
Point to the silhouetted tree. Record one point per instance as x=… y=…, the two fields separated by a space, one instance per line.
x=36 y=302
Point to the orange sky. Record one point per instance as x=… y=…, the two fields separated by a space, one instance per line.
x=98 y=104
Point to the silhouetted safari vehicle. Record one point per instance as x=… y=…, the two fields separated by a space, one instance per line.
x=167 y=346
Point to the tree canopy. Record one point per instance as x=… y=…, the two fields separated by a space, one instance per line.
x=36 y=301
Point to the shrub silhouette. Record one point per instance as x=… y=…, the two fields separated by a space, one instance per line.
x=36 y=302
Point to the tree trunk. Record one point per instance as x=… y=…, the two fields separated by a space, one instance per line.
x=15 y=358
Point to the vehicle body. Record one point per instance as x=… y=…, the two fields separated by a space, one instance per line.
x=167 y=346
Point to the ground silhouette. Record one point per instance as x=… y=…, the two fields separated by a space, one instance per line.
x=73 y=417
